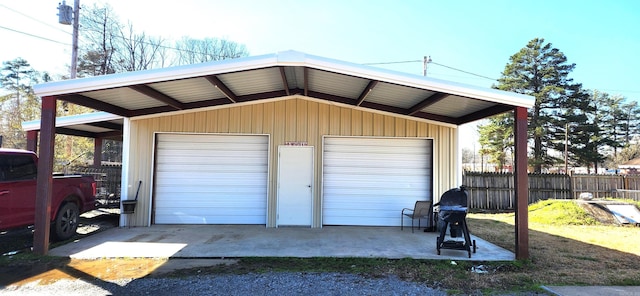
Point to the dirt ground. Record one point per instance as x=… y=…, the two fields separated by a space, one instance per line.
x=21 y=240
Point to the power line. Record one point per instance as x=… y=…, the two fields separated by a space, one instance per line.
x=34 y=19
x=431 y=62
x=84 y=38
x=35 y=36
x=128 y=39
x=463 y=71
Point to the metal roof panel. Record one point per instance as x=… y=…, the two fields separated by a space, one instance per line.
x=396 y=95
x=252 y=82
x=456 y=106
x=189 y=90
x=337 y=85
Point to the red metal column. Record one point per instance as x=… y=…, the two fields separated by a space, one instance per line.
x=45 y=176
x=32 y=141
x=522 y=184
x=97 y=152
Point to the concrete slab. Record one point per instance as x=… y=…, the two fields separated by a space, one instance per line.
x=594 y=290
x=234 y=241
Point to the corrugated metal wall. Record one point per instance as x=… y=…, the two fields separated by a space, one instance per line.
x=293 y=119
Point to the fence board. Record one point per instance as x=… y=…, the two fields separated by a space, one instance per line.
x=495 y=191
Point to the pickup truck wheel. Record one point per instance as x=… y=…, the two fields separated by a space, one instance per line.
x=66 y=222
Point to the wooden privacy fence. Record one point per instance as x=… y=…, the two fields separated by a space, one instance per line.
x=495 y=191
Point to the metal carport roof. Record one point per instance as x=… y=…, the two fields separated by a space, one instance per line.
x=91 y=125
x=283 y=74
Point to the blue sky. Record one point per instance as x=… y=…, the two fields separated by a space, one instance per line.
x=601 y=37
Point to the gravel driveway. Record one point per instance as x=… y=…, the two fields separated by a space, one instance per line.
x=275 y=283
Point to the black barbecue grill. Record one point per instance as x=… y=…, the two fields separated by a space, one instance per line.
x=452 y=214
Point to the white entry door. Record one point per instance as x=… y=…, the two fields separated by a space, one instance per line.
x=295 y=185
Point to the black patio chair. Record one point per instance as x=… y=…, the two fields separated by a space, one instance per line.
x=421 y=210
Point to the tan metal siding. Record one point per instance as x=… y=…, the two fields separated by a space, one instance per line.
x=367 y=124
x=314 y=134
x=400 y=128
x=378 y=125
x=139 y=169
x=295 y=119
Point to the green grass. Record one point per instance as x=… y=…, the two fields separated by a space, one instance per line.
x=29 y=258
x=559 y=212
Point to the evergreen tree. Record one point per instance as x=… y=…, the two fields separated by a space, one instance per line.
x=541 y=71
x=627 y=118
x=496 y=139
x=19 y=103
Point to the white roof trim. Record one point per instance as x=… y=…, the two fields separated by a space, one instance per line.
x=34 y=125
x=286 y=58
x=151 y=76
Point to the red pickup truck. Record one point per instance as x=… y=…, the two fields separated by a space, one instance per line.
x=72 y=195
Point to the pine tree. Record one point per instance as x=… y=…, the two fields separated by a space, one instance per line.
x=496 y=139
x=20 y=103
x=541 y=71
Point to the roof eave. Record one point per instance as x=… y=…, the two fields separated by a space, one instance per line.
x=285 y=58
x=152 y=76
x=63 y=121
x=406 y=79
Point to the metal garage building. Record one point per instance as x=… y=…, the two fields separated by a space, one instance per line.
x=284 y=139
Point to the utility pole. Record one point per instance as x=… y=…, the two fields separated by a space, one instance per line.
x=566 y=148
x=74 y=45
x=65 y=18
x=425 y=61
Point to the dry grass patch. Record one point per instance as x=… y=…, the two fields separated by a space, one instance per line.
x=570 y=250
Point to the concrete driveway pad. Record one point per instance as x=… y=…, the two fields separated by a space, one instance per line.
x=233 y=241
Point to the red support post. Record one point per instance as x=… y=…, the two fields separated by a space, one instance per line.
x=521 y=184
x=97 y=152
x=45 y=176
x=32 y=141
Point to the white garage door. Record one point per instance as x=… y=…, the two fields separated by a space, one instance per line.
x=368 y=181
x=211 y=179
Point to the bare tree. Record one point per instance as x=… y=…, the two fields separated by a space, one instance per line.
x=192 y=51
x=110 y=47
x=139 y=51
x=100 y=33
